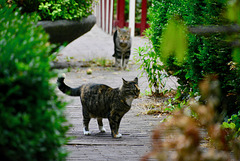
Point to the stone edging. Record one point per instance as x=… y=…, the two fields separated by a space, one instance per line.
x=61 y=31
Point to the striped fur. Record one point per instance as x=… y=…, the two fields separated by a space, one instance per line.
x=101 y=101
x=122 y=47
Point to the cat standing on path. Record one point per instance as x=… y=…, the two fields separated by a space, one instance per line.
x=122 y=47
x=101 y=101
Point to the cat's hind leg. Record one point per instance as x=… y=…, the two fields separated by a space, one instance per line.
x=100 y=125
x=118 y=59
x=86 y=120
x=85 y=127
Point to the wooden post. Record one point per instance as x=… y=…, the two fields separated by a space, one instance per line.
x=120 y=13
x=107 y=16
x=144 y=16
x=132 y=4
x=111 y=17
x=103 y=14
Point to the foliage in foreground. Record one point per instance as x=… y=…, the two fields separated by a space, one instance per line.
x=183 y=134
x=31 y=114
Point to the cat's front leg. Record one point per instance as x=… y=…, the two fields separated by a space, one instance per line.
x=118 y=135
x=125 y=57
x=118 y=63
x=114 y=122
x=125 y=65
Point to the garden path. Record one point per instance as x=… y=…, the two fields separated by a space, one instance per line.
x=135 y=126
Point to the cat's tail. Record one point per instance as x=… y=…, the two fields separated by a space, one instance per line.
x=66 y=89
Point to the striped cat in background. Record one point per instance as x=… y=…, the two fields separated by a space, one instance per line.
x=122 y=47
x=101 y=101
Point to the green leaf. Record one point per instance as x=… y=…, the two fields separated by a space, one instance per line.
x=236 y=55
x=174 y=40
x=233 y=11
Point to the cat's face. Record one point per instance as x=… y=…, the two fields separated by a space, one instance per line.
x=124 y=35
x=130 y=88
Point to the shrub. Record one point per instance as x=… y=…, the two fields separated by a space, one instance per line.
x=181 y=137
x=31 y=114
x=151 y=64
x=57 y=9
x=206 y=54
x=233 y=123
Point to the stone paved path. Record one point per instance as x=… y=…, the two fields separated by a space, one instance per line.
x=95 y=44
x=135 y=127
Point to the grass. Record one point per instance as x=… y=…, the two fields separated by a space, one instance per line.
x=157 y=105
x=102 y=62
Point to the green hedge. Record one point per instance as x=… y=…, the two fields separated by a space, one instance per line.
x=31 y=115
x=206 y=54
x=56 y=9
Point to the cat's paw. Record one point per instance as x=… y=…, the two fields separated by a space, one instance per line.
x=102 y=129
x=86 y=132
x=118 y=135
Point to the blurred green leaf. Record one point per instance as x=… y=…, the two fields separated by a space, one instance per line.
x=228 y=125
x=233 y=11
x=174 y=40
x=236 y=55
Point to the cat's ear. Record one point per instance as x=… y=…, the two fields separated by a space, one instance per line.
x=136 y=80
x=118 y=29
x=124 y=81
x=129 y=30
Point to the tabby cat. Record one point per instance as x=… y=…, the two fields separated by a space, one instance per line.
x=101 y=101
x=122 y=47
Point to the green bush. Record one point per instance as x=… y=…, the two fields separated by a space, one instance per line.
x=57 y=9
x=31 y=114
x=205 y=55
x=233 y=123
